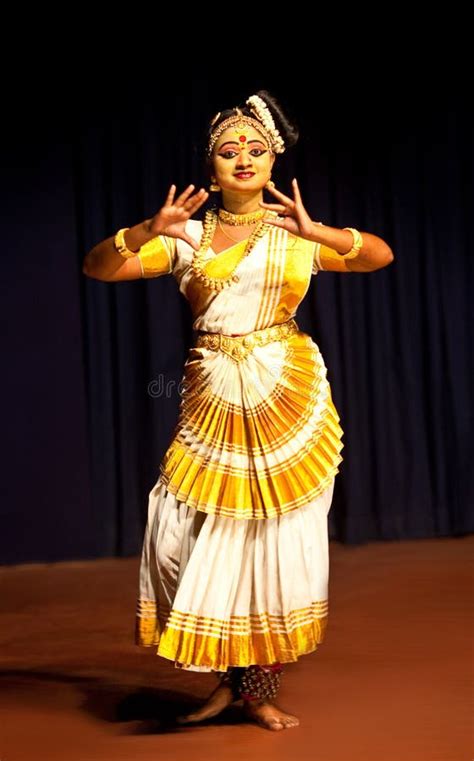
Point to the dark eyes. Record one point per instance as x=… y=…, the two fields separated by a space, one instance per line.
x=230 y=154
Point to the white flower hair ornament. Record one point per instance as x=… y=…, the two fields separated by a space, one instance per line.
x=262 y=112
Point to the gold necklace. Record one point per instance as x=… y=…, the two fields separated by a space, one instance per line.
x=199 y=262
x=236 y=240
x=237 y=220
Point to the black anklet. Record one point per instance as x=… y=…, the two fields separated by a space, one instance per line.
x=261 y=682
x=253 y=682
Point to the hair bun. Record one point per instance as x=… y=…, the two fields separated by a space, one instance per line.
x=288 y=130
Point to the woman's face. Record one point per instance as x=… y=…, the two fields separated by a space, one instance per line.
x=242 y=160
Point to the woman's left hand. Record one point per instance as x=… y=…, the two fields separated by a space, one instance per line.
x=293 y=215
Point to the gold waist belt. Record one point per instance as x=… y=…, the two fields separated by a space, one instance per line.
x=238 y=347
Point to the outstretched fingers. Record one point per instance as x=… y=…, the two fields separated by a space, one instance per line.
x=286 y=200
x=184 y=196
x=170 y=196
x=196 y=201
x=296 y=192
x=189 y=201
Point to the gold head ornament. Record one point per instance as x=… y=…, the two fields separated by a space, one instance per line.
x=262 y=121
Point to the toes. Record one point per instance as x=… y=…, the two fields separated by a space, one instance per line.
x=290 y=721
x=275 y=725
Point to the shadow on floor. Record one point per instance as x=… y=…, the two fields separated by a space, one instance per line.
x=156 y=709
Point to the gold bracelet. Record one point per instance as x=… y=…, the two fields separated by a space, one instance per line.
x=120 y=245
x=357 y=244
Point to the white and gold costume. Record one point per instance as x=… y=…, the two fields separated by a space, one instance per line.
x=235 y=563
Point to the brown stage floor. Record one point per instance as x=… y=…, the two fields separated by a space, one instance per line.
x=392 y=681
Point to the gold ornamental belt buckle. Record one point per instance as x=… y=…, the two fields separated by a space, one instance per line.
x=238 y=347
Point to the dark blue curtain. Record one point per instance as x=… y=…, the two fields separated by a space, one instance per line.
x=92 y=370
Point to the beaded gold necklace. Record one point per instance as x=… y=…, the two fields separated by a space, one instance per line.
x=199 y=262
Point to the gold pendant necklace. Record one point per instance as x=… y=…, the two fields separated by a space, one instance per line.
x=199 y=262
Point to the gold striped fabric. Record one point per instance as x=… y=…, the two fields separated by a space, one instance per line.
x=216 y=644
x=255 y=439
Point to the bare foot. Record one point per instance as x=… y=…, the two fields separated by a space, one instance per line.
x=267 y=715
x=219 y=699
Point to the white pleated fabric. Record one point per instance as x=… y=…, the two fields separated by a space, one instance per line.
x=218 y=592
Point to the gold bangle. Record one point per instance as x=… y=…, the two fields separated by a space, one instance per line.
x=120 y=245
x=357 y=243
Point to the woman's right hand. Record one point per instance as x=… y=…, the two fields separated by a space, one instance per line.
x=172 y=217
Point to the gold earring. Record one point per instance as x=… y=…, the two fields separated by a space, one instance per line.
x=270 y=184
x=214 y=187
